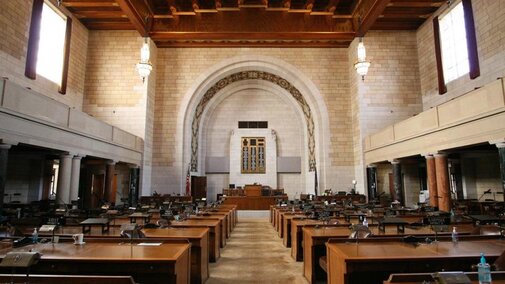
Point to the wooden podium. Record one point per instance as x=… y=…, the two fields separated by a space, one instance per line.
x=252 y=190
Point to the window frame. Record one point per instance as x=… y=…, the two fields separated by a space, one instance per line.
x=34 y=38
x=471 y=44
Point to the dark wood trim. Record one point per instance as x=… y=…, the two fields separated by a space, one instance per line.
x=370 y=16
x=161 y=36
x=442 y=88
x=33 y=40
x=471 y=40
x=139 y=16
x=66 y=57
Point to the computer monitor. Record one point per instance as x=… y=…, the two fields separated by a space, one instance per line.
x=232 y=185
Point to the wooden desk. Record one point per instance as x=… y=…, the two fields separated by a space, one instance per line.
x=280 y=230
x=166 y=263
x=498 y=277
x=253 y=202
x=146 y=216
x=252 y=189
x=233 y=208
x=222 y=226
x=214 y=233
x=88 y=223
x=65 y=279
x=199 y=239
x=230 y=212
x=226 y=217
x=486 y=219
x=286 y=238
x=369 y=262
x=314 y=242
x=297 y=236
x=398 y=222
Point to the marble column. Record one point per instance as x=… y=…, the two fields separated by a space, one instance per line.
x=397 y=181
x=431 y=173
x=4 y=157
x=64 y=174
x=371 y=171
x=501 y=153
x=74 y=178
x=443 y=189
x=110 y=190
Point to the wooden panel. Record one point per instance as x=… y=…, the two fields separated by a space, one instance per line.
x=198 y=187
x=254 y=22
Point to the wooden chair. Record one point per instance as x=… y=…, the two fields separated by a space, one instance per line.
x=163 y=223
x=360 y=231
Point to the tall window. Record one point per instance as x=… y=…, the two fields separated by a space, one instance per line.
x=51 y=44
x=48 y=44
x=453 y=43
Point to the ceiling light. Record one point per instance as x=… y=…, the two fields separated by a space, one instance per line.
x=144 y=67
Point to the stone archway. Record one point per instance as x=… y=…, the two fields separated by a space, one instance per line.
x=289 y=79
x=252 y=75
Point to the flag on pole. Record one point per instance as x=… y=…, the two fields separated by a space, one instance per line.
x=315 y=183
x=188 y=182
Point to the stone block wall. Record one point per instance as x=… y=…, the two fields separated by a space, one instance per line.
x=15 y=22
x=390 y=91
x=489 y=18
x=178 y=69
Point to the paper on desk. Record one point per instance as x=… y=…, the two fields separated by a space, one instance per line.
x=149 y=244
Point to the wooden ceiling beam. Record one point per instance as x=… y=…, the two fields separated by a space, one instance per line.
x=84 y=4
x=404 y=16
x=221 y=44
x=300 y=36
x=368 y=11
x=109 y=26
x=416 y=4
x=138 y=13
x=99 y=14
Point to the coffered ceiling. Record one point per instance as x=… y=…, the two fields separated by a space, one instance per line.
x=253 y=23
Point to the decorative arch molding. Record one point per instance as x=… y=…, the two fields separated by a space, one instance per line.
x=253 y=75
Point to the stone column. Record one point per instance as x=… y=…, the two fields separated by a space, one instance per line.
x=501 y=153
x=133 y=194
x=110 y=191
x=442 y=172
x=431 y=173
x=4 y=157
x=397 y=181
x=371 y=171
x=64 y=174
x=74 y=178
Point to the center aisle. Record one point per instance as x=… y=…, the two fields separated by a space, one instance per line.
x=255 y=254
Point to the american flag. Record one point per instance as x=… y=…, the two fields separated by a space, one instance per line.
x=188 y=182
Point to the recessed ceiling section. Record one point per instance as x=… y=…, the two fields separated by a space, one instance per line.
x=253 y=23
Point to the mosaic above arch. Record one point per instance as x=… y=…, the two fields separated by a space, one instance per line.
x=252 y=75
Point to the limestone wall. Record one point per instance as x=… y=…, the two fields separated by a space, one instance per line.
x=15 y=21
x=489 y=18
